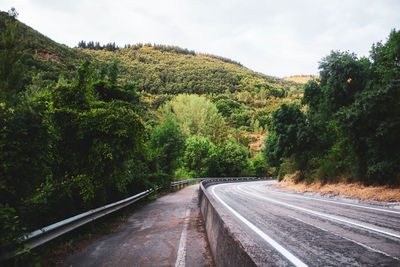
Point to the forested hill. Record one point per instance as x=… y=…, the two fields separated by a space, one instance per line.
x=83 y=127
x=41 y=54
x=157 y=69
x=171 y=70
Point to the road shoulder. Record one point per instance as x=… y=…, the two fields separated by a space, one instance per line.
x=152 y=236
x=348 y=190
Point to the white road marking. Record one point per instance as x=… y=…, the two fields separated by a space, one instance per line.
x=319 y=213
x=181 y=255
x=349 y=239
x=293 y=259
x=337 y=202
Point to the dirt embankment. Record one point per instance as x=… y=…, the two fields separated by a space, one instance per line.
x=352 y=190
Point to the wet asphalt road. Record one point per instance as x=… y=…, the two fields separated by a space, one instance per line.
x=166 y=232
x=298 y=229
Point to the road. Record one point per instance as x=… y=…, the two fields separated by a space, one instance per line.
x=166 y=232
x=295 y=229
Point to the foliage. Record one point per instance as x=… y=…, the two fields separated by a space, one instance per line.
x=36 y=54
x=87 y=126
x=11 y=67
x=168 y=144
x=372 y=121
x=171 y=70
x=196 y=116
x=65 y=147
x=233 y=159
x=351 y=125
x=260 y=166
x=96 y=46
x=288 y=135
x=202 y=157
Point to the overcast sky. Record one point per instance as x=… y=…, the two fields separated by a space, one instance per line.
x=279 y=37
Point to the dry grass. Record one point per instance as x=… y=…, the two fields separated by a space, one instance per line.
x=256 y=145
x=300 y=78
x=352 y=190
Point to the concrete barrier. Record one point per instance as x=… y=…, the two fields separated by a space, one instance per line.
x=227 y=242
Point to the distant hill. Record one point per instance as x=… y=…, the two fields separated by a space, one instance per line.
x=157 y=69
x=302 y=79
x=41 y=54
x=173 y=71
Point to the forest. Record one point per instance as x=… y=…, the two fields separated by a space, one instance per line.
x=347 y=126
x=82 y=127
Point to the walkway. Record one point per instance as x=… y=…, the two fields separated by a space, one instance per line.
x=166 y=232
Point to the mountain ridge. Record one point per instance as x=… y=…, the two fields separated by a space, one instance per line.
x=158 y=69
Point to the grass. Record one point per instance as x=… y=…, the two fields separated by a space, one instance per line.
x=302 y=79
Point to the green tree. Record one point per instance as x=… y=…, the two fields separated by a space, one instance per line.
x=260 y=165
x=233 y=158
x=201 y=156
x=342 y=76
x=196 y=116
x=11 y=67
x=113 y=71
x=285 y=126
x=372 y=121
x=95 y=140
x=385 y=59
x=351 y=126
x=168 y=144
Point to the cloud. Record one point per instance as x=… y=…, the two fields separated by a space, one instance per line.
x=279 y=38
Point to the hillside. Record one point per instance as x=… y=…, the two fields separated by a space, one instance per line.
x=301 y=79
x=244 y=98
x=158 y=69
x=41 y=54
x=84 y=127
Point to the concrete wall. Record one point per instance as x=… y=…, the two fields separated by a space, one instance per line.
x=226 y=246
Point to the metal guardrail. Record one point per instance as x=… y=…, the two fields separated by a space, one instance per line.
x=45 y=234
x=179 y=184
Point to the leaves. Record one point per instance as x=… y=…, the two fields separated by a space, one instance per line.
x=351 y=125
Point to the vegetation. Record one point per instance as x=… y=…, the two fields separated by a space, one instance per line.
x=348 y=124
x=303 y=79
x=170 y=70
x=87 y=126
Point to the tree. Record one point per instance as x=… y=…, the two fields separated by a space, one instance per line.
x=342 y=76
x=168 y=144
x=351 y=126
x=113 y=71
x=196 y=116
x=385 y=59
x=11 y=67
x=233 y=158
x=285 y=123
x=260 y=165
x=288 y=135
x=372 y=121
x=95 y=139
x=201 y=156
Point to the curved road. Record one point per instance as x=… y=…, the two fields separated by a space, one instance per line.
x=294 y=229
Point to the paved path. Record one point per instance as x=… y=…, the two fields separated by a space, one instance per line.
x=294 y=229
x=166 y=232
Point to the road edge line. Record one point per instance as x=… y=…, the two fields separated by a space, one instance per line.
x=284 y=252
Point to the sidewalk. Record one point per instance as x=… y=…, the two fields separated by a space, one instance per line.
x=166 y=232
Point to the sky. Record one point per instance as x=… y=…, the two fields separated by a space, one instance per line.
x=279 y=38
